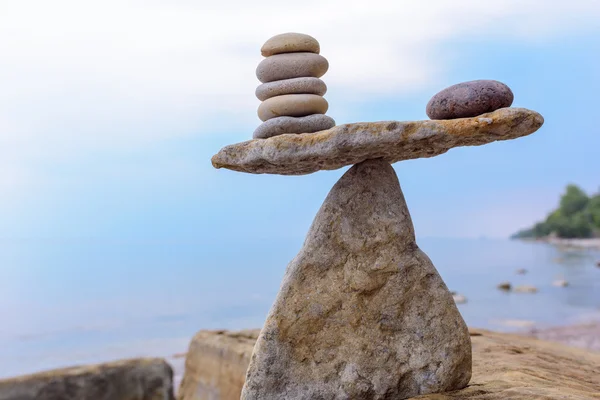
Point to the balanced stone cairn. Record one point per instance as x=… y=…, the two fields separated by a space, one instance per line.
x=362 y=313
x=291 y=91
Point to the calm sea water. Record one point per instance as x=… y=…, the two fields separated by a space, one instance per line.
x=68 y=303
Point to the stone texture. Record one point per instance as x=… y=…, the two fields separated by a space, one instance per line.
x=469 y=99
x=291 y=86
x=507 y=366
x=390 y=140
x=362 y=312
x=216 y=364
x=292 y=105
x=290 y=42
x=141 y=379
x=294 y=125
x=291 y=65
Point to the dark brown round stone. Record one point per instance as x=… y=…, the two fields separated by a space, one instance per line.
x=469 y=99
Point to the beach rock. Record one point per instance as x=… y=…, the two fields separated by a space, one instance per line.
x=283 y=125
x=140 y=379
x=290 y=42
x=521 y=271
x=505 y=366
x=291 y=65
x=391 y=141
x=292 y=105
x=469 y=99
x=216 y=364
x=291 y=86
x=506 y=286
x=560 y=283
x=526 y=289
x=362 y=312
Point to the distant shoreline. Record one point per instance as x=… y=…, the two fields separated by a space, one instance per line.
x=576 y=244
x=584 y=336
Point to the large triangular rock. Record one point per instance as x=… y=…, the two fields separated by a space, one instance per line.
x=362 y=312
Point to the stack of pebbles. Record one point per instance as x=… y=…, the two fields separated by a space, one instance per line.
x=291 y=91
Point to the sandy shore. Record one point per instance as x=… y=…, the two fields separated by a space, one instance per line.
x=579 y=244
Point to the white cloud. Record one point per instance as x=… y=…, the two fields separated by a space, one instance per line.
x=81 y=75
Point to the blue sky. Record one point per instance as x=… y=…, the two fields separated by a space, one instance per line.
x=110 y=114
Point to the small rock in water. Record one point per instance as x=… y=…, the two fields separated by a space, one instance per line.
x=459 y=298
x=291 y=65
x=282 y=125
x=306 y=85
x=598 y=264
x=290 y=42
x=292 y=105
x=469 y=99
x=521 y=271
x=526 y=289
x=560 y=283
x=506 y=286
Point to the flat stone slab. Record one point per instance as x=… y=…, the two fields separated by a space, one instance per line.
x=392 y=141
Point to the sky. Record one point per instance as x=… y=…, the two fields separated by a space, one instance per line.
x=110 y=111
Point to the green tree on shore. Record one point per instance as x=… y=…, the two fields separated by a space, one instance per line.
x=573 y=201
x=594 y=210
x=578 y=216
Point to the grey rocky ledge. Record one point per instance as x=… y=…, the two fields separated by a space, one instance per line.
x=137 y=379
x=392 y=141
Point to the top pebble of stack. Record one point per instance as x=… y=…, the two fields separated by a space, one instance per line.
x=290 y=43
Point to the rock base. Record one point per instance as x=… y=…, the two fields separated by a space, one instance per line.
x=362 y=312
